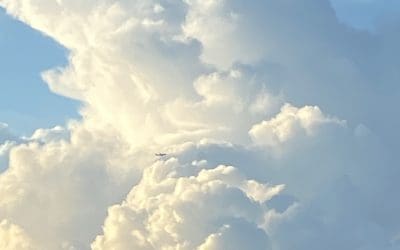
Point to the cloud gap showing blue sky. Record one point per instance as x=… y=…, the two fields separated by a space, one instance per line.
x=26 y=103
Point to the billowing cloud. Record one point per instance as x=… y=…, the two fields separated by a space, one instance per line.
x=47 y=135
x=13 y=237
x=290 y=122
x=183 y=207
x=187 y=139
x=51 y=186
x=235 y=237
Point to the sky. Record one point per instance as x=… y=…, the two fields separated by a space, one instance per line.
x=366 y=14
x=25 y=100
x=208 y=125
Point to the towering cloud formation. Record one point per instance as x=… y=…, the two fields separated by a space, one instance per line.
x=227 y=90
x=170 y=209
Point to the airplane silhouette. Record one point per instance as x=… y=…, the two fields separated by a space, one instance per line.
x=160 y=154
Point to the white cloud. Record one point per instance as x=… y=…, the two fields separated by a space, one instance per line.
x=203 y=82
x=177 y=207
x=14 y=238
x=290 y=122
x=51 y=187
x=236 y=237
x=48 y=135
x=225 y=32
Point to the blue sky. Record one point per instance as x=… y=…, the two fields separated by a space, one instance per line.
x=23 y=49
x=366 y=14
x=25 y=100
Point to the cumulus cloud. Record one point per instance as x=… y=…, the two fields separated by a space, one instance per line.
x=183 y=207
x=13 y=237
x=235 y=237
x=224 y=31
x=52 y=186
x=206 y=83
x=48 y=135
x=290 y=122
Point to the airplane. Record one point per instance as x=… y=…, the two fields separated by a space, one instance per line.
x=160 y=154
